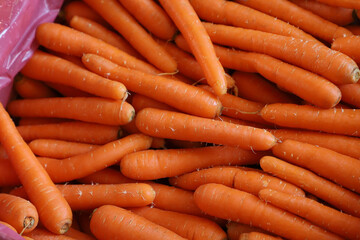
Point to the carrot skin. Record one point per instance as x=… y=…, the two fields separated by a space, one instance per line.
x=30 y=88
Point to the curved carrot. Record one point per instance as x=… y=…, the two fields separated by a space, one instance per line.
x=340 y=121
x=105 y=176
x=177 y=94
x=348 y=46
x=115 y=14
x=234 y=230
x=31 y=88
x=18 y=212
x=110 y=222
x=257 y=236
x=173 y=125
x=354 y=4
x=339 y=197
x=187 y=21
x=43 y=234
x=41 y=190
x=95 y=110
x=351 y=94
x=224 y=202
x=326 y=217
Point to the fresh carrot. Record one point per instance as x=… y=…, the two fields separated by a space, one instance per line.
x=139 y=102
x=176 y=94
x=8 y=176
x=242 y=122
x=71 y=131
x=339 y=121
x=60 y=149
x=257 y=236
x=41 y=190
x=348 y=46
x=342 y=169
x=234 y=230
x=174 y=125
x=187 y=21
x=3 y=154
x=337 y=196
x=39 y=120
x=76 y=234
x=155 y=164
x=115 y=14
x=18 y=212
x=354 y=4
x=152 y=17
x=351 y=94
x=68 y=91
x=188 y=226
x=43 y=234
x=94 y=109
x=326 y=217
x=105 y=176
x=227 y=203
x=30 y=88
x=97 y=30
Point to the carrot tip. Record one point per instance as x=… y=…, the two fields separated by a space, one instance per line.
x=356 y=75
x=65 y=227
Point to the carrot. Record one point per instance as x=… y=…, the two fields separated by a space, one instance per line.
x=87 y=197
x=85 y=132
x=350 y=94
x=178 y=144
x=337 y=15
x=139 y=102
x=68 y=91
x=326 y=217
x=18 y=212
x=344 y=121
x=315 y=57
x=227 y=203
x=8 y=176
x=354 y=4
x=105 y=176
x=176 y=94
x=96 y=30
x=235 y=14
x=337 y=167
x=95 y=110
x=173 y=125
x=115 y=14
x=30 y=88
x=234 y=230
x=152 y=17
x=53 y=148
x=341 y=198
x=43 y=234
x=187 y=21
x=257 y=236
x=355 y=29
x=78 y=234
x=347 y=45
x=41 y=190
x=39 y=120
x=187 y=226
x=242 y=122
x=155 y=164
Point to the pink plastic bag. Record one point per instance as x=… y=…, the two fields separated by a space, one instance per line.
x=18 y=22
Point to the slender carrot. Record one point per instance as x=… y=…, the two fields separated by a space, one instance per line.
x=30 y=88
x=43 y=234
x=354 y=4
x=174 y=125
x=18 y=212
x=187 y=21
x=339 y=197
x=339 y=121
x=342 y=169
x=68 y=91
x=105 y=176
x=41 y=190
x=78 y=234
x=257 y=236
x=348 y=46
x=351 y=94
x=234 y=230
x=188 y=226
x=39 y=120
x=155 y=164
x=326 y=217
x=95 y=110
x=224 y=202
x=176 y=94
x=71 y=131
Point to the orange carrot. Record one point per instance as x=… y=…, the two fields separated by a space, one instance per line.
x=174 y=125
x=351 y=94
x=187 y=21
x=43 y=234
x=257 y=236
x=348 y=46
x=355 y=29
x=188 y=226
x=326 y=217
x=339 y=121
x=176 y=94
x=18 y=212
x=155 y=164
x=105 y=176
x=8 y=176
x=39 y=120
x=152 y=17
x=96 y=110
x=41 y=190
x=74 y=59
x=234 y=230
x=227 y=203
x=115 y=14
x=242 y=122
x=139 y=102
x=78 y=234
x=337 y=167
x=354 y=4
x=30 y=88
x=339 y=197
x=68 y=91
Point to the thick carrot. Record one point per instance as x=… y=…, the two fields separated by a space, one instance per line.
x=348 y=46
x=227 y=203
x=234 y=230
x=152 y=17
x=115 y=14
x=31 y=88
x=68 y=91
x=188 y=226
x=187 y=21
x=354 y=4
x=342 y=169
x=105 y=176
x=315 y=57
x=42 y=192
x=339 y=121
x=339 y=197
x=43 y=234
x=95 y=110
x=174 y=125
x=155 y=164
x=74 y=233
x=176 y=94
x=351 y=94
x=326 y=217
x=257 y=236
x=18 y=212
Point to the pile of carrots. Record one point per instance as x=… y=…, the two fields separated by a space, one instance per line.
x=186 y=119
